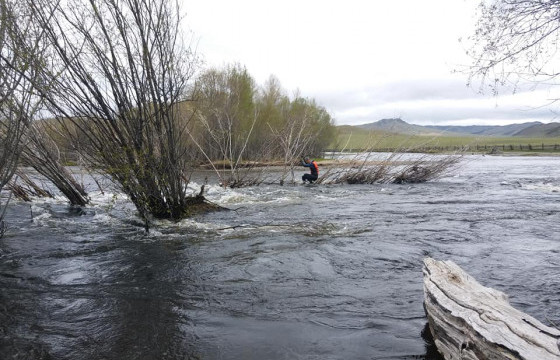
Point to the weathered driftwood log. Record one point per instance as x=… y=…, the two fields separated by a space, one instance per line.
x=470 y=321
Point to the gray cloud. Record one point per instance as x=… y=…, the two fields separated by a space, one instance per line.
x=441 y=101
x=398 y=91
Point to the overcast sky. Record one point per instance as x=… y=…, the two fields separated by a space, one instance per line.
x=363 y=60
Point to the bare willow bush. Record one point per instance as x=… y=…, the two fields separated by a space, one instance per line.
x=426 y=168
x=116 y=71
x=515 y=42
x=25 y=188
x=304 y=124
x=12 y=107
x=227 y=115
x=362 y=170
x=397 y=167
x=21 y=49
x=43 y=154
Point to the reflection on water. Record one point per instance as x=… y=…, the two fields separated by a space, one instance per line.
x=329 y=272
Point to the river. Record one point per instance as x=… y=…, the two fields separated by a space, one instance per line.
x=292 y=272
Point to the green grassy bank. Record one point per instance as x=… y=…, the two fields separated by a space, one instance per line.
x=362 y=140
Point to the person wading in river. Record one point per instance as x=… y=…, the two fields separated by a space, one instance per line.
x=312 y=165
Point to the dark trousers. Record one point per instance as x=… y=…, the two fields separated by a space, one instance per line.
x=309 y=177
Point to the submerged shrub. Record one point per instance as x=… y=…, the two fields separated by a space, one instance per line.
x=394 y=169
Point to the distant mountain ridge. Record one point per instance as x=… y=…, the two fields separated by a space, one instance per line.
x=528 y=129
x=397 y=126
x=488 y=130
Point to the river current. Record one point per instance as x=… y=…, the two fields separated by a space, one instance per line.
x=292 y=272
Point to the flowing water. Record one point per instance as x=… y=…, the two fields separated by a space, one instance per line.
x=293 y=272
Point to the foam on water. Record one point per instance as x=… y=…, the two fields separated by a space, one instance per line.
x=103 y=218
x=547 y=187
x=187 y=224
x=106 y=197
x=42 y=218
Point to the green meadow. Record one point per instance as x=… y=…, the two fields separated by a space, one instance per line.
x=352 y=139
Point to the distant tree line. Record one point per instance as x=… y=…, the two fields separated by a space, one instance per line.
x=237 y=123
x=236 y=118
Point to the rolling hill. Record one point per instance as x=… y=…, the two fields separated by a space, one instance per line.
x=541 y=130
x=485 y=130
x=396 y=126
x=528 y=129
